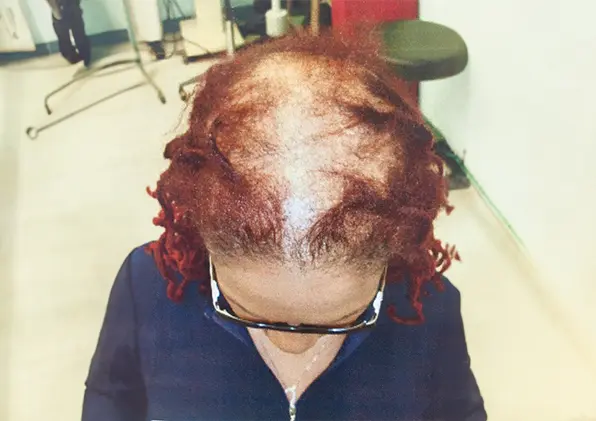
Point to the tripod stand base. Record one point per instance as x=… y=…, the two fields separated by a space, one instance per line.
x=92 y=71
x=32 y=132
x=206 y=38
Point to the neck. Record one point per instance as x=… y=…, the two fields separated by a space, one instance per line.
x=296 y=371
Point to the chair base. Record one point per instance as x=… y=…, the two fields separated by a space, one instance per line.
x=33 y=132
x=456 y=176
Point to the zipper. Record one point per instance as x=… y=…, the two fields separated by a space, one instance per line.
x=292 y=411
x=292 y=402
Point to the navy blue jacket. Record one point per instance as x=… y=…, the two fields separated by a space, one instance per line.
x=157 y=360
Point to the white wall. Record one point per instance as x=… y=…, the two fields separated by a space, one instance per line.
x=524 y=116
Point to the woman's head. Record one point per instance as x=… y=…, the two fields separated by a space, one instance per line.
x=304 y=170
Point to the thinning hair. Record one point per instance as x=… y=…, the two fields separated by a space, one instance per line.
x=303 y=150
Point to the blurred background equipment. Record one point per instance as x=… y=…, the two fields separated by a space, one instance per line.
x=230 y=32
x=73 y=9
x=277 y=20
x=146 y=24
x=205 y=35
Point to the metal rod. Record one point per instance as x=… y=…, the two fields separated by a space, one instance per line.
x=85 y=74
x=33 y=132
x=315 y=11
x=230 y=25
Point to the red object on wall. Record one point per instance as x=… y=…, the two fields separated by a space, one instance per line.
x=349 y=12
x=346 y=14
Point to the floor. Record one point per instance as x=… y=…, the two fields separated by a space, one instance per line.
x=73 y=204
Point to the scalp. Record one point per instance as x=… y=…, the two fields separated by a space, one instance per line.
x=304 y=149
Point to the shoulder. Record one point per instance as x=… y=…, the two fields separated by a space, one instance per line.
x=427 y=342
x=440 y=301
x=141 y=263
x=148 y=286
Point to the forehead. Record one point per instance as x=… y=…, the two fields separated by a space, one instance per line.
x=332 y=275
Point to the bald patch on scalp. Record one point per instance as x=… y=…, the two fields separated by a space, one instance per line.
x=313 y=146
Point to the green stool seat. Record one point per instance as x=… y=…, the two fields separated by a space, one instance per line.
x=420 y=50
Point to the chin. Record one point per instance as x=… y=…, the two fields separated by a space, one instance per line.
x=293 y=343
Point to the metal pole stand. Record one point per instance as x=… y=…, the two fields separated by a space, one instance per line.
x=33 y=132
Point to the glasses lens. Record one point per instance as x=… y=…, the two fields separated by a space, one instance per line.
x=224 y=310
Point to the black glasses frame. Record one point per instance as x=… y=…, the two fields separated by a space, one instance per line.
x=303 y=328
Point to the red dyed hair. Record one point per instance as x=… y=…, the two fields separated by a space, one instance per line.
x=219 y=193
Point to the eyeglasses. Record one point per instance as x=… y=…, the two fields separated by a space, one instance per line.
x=368 y=319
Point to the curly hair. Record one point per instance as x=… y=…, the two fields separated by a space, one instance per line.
x=304 y=149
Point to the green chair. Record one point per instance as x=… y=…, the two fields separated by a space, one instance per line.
x=422 y=51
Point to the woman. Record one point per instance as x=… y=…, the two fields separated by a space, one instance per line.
x=298 y=276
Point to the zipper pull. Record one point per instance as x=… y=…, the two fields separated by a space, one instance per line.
x=292 y=401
